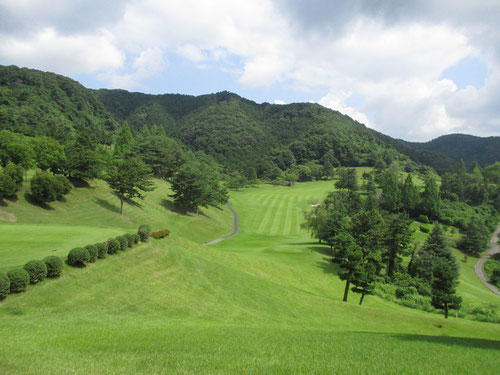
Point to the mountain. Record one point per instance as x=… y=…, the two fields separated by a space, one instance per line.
x=464 y=147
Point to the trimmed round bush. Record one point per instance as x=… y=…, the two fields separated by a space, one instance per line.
x=4 y=286
x=123 y=242
x=93 y=253
x=144 y=232
x=113 y=246
x=54 y=266
x=102 y=249
x=130 y=238
x=37 y=270
x=78 y=256
x=19 y=280
x=423 y=219
x=136 y=238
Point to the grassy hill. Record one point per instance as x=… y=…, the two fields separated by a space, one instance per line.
x=265 y=301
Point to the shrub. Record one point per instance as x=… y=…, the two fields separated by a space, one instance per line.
x=136 y=238
x=405 y=292
x=130 y=239
x=423 y=219
x=93 y=253
x=78 y=257
x=161 y=233
x=4 y=286
x=123 y=242
x=495 y=277
x=19 y=280
x=102 y=249
x=42 y=187
x=62 y=185
x=424 y=229
x=113 y=246
x=37 y=270
x=54 y=266
x=144 y=232
x=16 y=173
x=7 y=186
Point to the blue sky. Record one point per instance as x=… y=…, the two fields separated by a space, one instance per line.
x=412 y=70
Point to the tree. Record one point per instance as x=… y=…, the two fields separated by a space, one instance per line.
x=348 y=179
x=124 y=140
x=475 y=238
x=397 y=240
x=196 y=184
x=410 y=196
x=364 y=277
x=49 y=154
x=431 y=202
x=129 y=178
x=47 y=188
x=348 y=256
x=443 y=287
x=391 y=194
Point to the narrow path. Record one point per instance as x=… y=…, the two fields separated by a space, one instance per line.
x=235 y=227
x=494 y=248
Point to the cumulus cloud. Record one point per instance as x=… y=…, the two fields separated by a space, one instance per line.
x=391 y=53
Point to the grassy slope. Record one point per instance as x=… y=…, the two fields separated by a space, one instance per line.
x=265 y=301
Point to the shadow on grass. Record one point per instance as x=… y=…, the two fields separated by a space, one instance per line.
x=169 y=205
x=79 y=183
x=108 y=206
x=443 y=340
x=29 y=198
x=328 y=266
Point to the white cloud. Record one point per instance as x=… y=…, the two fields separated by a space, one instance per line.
x=279 y=101
x=336 y=100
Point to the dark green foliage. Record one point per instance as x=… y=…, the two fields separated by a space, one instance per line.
x=113 y=246
x=37 y=270
x=16 y=173
x=49 y=154
x=130 y=238
x=4 y=286
x=391 y=193
x=160 y=234
x=410 y=197
x=129 y=178
x=123 y=242
x=54 y=266
x=423 y=219
x=349 y=256
x=124 y=140
x=102 y=249
x=397 y=241
x=78 y=256
x=443 y=287
x=14 y=148
x=8 y=187
x=137 y=238
x=475 y=239
x=495 y=277
x=19 y=280
x=93 y=253
x=347 y=179
x=424 y=229
x=430 y=200
x=47 y=188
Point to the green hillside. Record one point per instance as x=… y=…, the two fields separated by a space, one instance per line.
x=267 y=300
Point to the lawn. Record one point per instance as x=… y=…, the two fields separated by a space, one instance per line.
x=265 y=301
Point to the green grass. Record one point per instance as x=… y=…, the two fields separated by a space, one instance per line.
x=265 y=301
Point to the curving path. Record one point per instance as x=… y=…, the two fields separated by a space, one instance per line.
x=494 y=248
x=235 y=227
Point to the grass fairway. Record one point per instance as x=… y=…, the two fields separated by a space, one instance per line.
x=265 y=301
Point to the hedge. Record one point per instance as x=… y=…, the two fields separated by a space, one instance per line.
x=161 y=233
x=130 y=238
x=78 y=257
x=37 y=270
x=123 y=242
x=54 y=266
x=113 y=246
x=136 y=238
x=93 y=253
x=102 y=249
x=19 y=280
x=4 y=286
x=144 y=232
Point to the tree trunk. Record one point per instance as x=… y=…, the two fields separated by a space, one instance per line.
x=346 y=291
x=121 y=204
x=361 y=299
x=446 y=311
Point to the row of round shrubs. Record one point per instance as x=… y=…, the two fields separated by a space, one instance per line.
x=17 y=279
x=160 y=234
x=80 y=256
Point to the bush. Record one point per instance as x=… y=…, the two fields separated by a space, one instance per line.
x=7 y=186
x=123 y=242
x=102 y=249
x=62 y=185
x=19 y=280
x=423 y=219
x=161 y=233
x=136 y=238
x=93 y=253
x=4 y=286
x=37 y=270
x=130 y=238
x=54 y=266
x=144 y=232
x=404 y=292
x=113 y=246
x=47 y=188
x=495 y=277
x=424 y=229
x=78 y=257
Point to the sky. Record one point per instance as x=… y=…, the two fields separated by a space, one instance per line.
x=413 y=70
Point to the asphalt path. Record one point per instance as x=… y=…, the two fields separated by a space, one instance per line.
x=235 y=227
x=494 y=248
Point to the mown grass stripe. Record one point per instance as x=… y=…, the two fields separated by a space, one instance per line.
x=261 y=205
x=263 y=227
x=278 y=215
x=288 y=216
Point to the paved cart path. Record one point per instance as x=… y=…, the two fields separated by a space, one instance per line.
x=235 y=227
x=494 y=248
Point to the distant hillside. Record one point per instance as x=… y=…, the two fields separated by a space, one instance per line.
x=467 y=147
